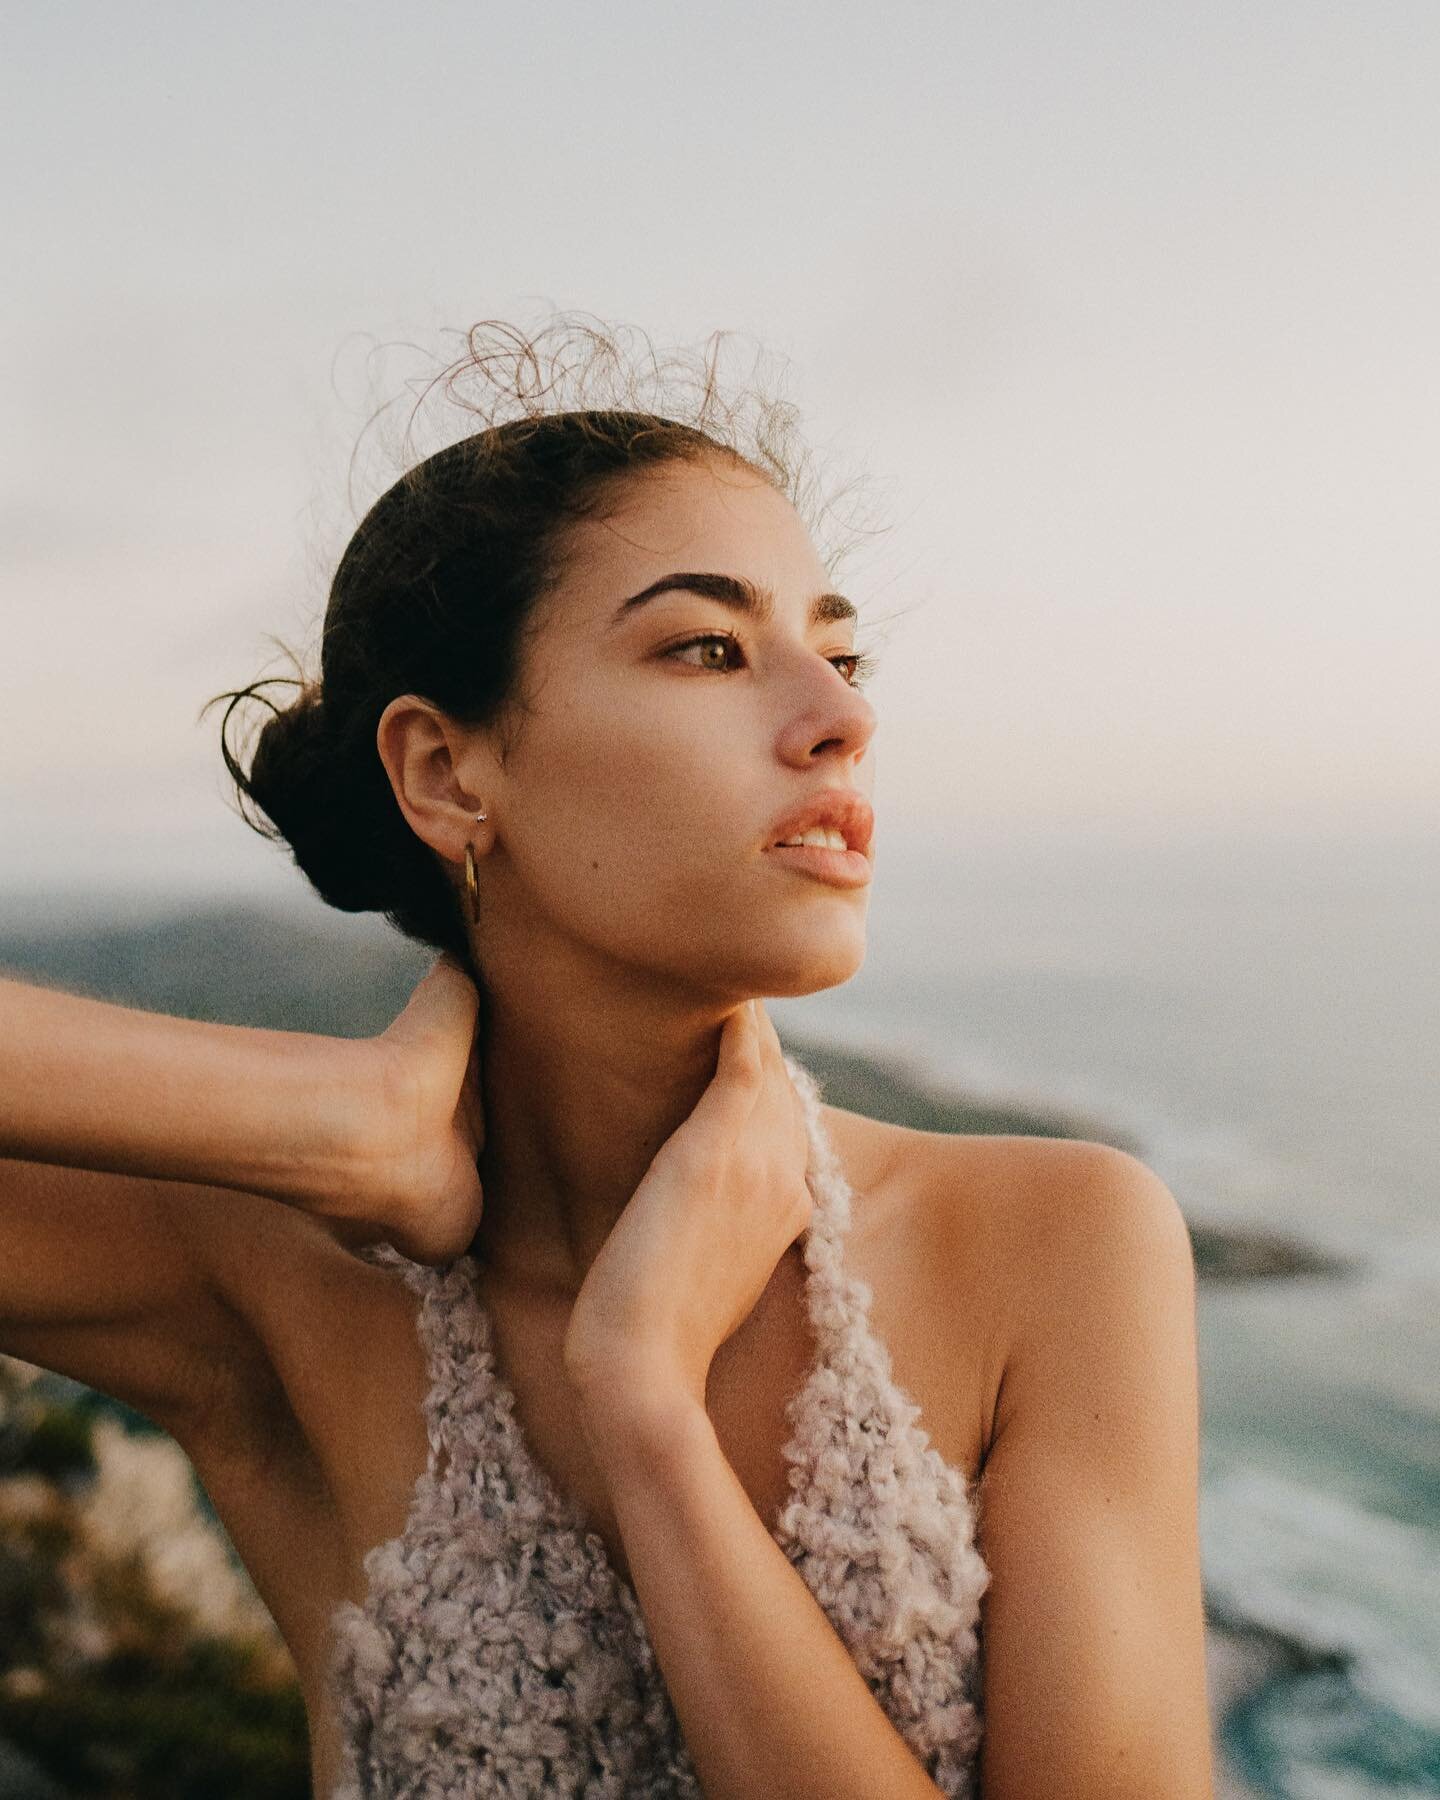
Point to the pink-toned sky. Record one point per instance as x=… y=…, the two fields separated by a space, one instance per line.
x=1129 y=309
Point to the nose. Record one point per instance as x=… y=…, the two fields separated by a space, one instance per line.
x=834 y=717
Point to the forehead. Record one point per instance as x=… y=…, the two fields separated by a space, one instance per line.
x=709 y=515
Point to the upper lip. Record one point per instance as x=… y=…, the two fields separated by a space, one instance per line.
x=841 y=809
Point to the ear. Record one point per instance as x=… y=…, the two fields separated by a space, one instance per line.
x=431 y=763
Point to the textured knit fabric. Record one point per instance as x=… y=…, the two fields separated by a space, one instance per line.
x=499 y=1652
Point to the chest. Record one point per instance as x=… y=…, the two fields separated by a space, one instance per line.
x=368 y=1442
x=757 y=1377
x=752 y=1381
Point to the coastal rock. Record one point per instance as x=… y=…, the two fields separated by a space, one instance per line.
x=1227 y=1253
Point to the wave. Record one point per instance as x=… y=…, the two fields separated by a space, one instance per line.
x=1334 y=1578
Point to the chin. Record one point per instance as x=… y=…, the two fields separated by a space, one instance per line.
x=818 y=963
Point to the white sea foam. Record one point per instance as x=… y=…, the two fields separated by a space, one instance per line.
x=1330 y=1575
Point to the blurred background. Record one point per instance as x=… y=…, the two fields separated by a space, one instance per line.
x=1126 y=314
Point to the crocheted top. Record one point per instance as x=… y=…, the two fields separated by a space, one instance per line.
x=498 y=1651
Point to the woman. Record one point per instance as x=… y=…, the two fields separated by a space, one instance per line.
x=596 y=1410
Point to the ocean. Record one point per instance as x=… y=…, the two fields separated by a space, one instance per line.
x=1262 y=1020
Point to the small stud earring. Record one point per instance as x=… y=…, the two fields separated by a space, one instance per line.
x=479 y=817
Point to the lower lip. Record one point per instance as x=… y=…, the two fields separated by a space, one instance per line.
x=842 y=868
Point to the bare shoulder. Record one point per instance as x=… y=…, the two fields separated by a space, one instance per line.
x=1008 y=1195
x=1044 y=1196
x=1051 y=1224
x=995 y=1245
x=1093 y=1347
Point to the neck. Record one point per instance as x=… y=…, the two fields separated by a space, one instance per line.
x=580 y=1089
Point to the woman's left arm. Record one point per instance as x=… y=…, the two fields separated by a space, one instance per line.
x=768 y=1697
x=1093 y=1624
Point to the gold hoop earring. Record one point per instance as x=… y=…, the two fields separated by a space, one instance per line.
x=472 y=885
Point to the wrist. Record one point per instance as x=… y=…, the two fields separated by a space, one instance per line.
x=278 y=1113
x=634 y=1411
x=345 y=1161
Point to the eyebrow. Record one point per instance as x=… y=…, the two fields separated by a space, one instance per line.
x=740 y=595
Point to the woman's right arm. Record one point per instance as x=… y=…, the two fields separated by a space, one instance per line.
x=94 y=1086
x=120 y=1129
x=136 y=1145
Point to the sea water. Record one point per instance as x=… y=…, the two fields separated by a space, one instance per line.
x=1261 y=1019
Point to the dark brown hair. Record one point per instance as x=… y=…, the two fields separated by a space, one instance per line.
x=434 y=592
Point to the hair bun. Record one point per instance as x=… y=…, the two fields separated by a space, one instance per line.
x=329 y=799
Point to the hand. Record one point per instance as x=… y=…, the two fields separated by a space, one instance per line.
x=420 y=1184
x=724 y=1198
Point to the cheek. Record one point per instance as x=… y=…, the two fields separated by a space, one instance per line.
x=653 y=786
x=648 y=816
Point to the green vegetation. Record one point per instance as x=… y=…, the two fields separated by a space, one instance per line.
x=126 y=1667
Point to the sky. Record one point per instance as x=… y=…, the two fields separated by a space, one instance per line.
x=1126 y=314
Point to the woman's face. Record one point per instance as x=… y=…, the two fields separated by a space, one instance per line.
x=642 y=794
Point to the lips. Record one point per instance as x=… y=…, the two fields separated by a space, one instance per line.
x=837 y=809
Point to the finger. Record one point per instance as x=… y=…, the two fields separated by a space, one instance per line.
x=749 y=1037
x=772 y=1049
x=771 y=1054
x=774 y=1075
x=738 y=1081
x=774 y=1052
x=784 y=1086
x=742 y=1049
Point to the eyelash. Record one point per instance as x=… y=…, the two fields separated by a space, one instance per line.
x=865 y=664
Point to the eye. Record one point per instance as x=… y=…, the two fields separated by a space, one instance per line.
x=862 y=665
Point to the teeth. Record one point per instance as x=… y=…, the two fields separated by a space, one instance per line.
x=826 y=839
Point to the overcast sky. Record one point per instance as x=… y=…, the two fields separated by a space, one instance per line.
x=1129 y=311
